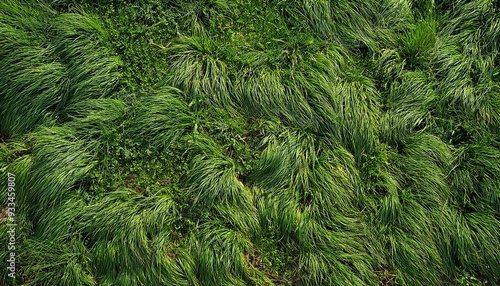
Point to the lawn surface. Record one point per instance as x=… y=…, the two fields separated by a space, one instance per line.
x=250 y=142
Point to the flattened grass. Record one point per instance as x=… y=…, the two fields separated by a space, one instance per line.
x=289 y=142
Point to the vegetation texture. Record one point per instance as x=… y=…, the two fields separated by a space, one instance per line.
x=251 y=142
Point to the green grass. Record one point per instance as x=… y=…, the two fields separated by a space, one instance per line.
x=251 y=142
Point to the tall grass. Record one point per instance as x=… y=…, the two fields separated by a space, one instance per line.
x=162 y=118
x=411 y=220
x=128 y=229
x=409 y=107
x=197 y=67
x=345 y=143
x=43 y=73
x=216 y=189
x=312 y=211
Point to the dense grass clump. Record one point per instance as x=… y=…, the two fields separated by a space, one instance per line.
x=46 y=68
x=251 y=142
